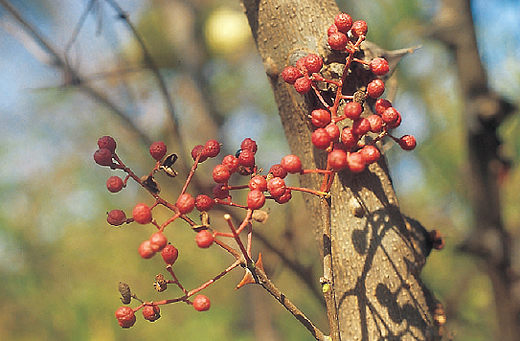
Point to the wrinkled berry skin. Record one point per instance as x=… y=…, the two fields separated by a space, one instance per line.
x=201 y=303
x=125 y=316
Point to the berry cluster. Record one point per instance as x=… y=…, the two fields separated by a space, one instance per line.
x=343 y=126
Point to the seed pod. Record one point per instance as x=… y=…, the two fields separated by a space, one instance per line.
x=126 y=294
x=167 y=165
x=150 y=184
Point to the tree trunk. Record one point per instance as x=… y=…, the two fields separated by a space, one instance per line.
x=377 y=254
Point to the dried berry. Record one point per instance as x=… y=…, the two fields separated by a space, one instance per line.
x=151 y=312
x=277 y=170
x=370 y=154
x=303 y=85
x=158 y=241
x=107 y=142
x=343 y=22
x=337 y=159
x=290 y=74
x=146 y=249
x=320 y=118
x=249 y=144
x=313 y=63
x=196 y=151
x=258 y=182
x=255 y=199
x=407 y=142
x=125 y=316
x=337 y=41
x=375 y=88
x=246 y=158
x=355 y=162
x=115 y=184
x=158 y=150
x=231 y=162
x=103 y=157
x=379 y=66
x=211 y=148
x=116 y=217
x=276 y=187
x=221 y=174
x=321 y=139
x=203 y=203
x=359 y=28
x=353 y=110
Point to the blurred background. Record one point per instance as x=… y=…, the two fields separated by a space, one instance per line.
x=60 y=262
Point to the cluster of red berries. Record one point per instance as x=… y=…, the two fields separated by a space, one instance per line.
x=353 y=146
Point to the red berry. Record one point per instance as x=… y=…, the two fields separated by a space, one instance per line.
x=116 y=217
x=343 y=22
x=292 y=164
x=246 y=158
x=355 y=162
x=158 y=150
x=333 y=130
x=353 y=110
x=376 y=123
x=220 y=192
x=337 y=159
x=158 y=241
x=204 y=239
x=375 y=88
x=231 y=162
x=211 y=148
x=285 y=197
x=349 y=138
x=303 y=85
x=249 y=144
x=169 y=254
x=103 y=157
x=185 y=203
x=290 y=74
x=332 y=29
x=107 y=142
x=313 y=63
x=277 y=170
x=321 y=139
x=221 y=174
x=396 y=123
x=370 y=154
x=359 y=28
x=125 y=316
x=361 y=126
x=203 y=203
x=276 y=187
x=255 y=199
x=142 y=213
x=258 y=182
x=201 y=303
x=196 y=151
x=390 y=115
x=151 y=312
x=379 y=66
x=300 y=65
x=337 y=41
x=407 y=142
x=146 y=249
x=115 y=184
x=320 y=118
x=381 y=105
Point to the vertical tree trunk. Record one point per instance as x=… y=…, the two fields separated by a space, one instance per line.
x=377 y=254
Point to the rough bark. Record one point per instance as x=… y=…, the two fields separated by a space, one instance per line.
x=377 y=254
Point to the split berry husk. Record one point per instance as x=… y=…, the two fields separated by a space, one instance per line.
x=292 y=164
x=203 y=203
x=158 y=150
x=169 y=254
x=204 y=239
x=255 y=199
x=185 y=203
x=115 y=184
x=201 y=303
x=151 y=312
x=116 y=217
x=142 y=213
x=125 y=316
x=107 y=142
x=103 y=157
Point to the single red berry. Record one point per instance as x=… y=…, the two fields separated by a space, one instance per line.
x=349 y=138
x=333 y=130
x=359 y=28
x=231 y=162
x=220 y=192
x=196 y=151
x=249 y=144
x=103 y=157
x=276 y=187
x=355 y=162
x=146 y=250
x=375 y=88
x=337 y=159
x=204 y=239
x=320 y=118
x=376 y=123
x=313 y=63
x=185 y=203
x=158 y=150
x=320 y=138
x=203 y=203
x=169 y=254
x=332 y=29
x=125 y=316
x=221 y=174
x=158 y=241
x=211 y=148
x=246 y=158
x=361 y=126
x=407 y=142
x=115 y=184
x=303 y=85
x=291 y=163
x=396 y=123
x=201 y=303
x=381 y=105
x=379 y=66
x=277 y=170
x=353 y=110
x=337 y=41
x=107 y=142
x=258 y=182
x=370 y=154
x=142 y=213
x=285 y=197
x=255 y=199
x=343 y=22
x=390 y=115
x=290 y=74
x=300 y=65
x=116 y=217
x=151 y=312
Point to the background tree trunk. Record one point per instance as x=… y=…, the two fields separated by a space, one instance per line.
x=377 y=254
